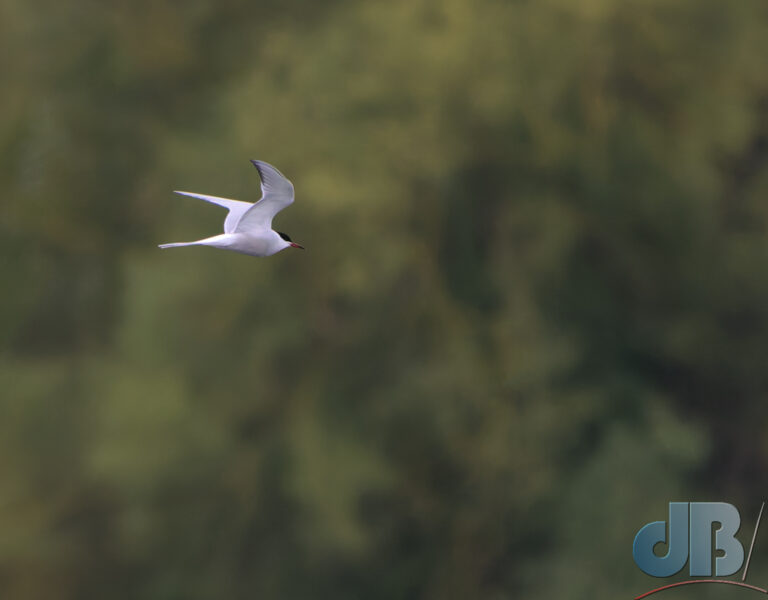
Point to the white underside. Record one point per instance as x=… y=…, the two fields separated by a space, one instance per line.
x=252 y=244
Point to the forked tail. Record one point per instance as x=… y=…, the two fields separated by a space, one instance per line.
x=223 y=240
x=178 y=244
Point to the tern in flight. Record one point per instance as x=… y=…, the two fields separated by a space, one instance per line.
x=248 y=227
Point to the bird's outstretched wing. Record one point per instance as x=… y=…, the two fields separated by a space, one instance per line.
x=276 y=194
x=237 y=208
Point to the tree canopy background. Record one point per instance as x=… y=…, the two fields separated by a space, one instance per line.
x=532 y=311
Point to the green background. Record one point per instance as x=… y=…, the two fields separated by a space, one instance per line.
x=533 y=308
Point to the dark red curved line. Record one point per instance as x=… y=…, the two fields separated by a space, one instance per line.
x=679 y=583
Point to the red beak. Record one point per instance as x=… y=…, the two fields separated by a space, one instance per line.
x=299 y=246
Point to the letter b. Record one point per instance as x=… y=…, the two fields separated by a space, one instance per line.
x=703 y=516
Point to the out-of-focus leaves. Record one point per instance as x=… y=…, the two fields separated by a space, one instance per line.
x=532 y=309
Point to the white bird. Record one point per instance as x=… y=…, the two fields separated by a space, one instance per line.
x=248 y=227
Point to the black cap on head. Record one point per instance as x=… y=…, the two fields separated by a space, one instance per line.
x=285 y=236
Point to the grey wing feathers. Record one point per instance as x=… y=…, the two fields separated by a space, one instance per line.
x=272 y=180
x=277 y=194
x=237 y=208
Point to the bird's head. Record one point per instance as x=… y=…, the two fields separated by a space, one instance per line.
x=291 y=243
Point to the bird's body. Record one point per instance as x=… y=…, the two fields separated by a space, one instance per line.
x=253 y=244
x=248 y=227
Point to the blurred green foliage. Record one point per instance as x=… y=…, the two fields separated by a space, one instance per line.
x=533 y=307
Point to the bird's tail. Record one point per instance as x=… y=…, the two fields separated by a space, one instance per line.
x=223 y=240
x=178 y=244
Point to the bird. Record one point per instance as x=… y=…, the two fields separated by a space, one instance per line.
x=248 y=226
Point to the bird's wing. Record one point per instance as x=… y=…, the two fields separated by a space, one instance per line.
x=276 y=194
x=237 y=208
